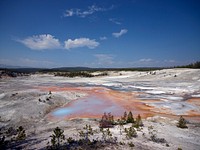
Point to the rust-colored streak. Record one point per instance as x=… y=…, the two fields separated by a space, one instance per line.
x=100 y=100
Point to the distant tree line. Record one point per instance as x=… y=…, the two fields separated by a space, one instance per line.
x=79 y=74
x=195 y=65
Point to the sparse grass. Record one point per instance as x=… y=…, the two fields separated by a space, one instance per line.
x=153 y=135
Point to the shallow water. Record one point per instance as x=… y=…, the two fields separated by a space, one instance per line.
x=91 y=105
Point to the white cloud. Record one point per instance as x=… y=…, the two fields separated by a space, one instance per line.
x=81 y=42
x=83 y=13
x=115 y=21
x=146 y=60
x=41 y=42
x=104 y=59
x=103 y=38
x=117 y=35
x=69 y=13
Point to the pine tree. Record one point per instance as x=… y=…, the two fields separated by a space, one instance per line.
x=124 y=118
x=57 y=137
x=130 y=118
x=138 y=122
x=182 y=123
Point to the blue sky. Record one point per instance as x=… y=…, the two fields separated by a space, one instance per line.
x=99 y=33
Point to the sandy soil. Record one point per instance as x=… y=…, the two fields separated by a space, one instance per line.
x=159 y=96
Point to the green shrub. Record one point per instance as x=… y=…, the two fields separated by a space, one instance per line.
x=130 y=118
x=70 y=140
x=121 y=143
x=131 y=144
x=21 y=135
x=182 y=123
x=107 y=136
x=138 y=122
x=57 y=138
x=86 y=133
x=130 y=132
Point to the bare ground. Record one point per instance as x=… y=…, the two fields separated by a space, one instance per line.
x=23 y=103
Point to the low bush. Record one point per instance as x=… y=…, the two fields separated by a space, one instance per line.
x=21 y=135
x=182 y=123
x=131 y=144
x=130 y=132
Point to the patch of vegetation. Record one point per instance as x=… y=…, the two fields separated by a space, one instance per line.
x=56 y=138
x=84 y=139
x=121 y=143
x=73 y=74
x=107 y=121
x=107 y=136
x=153 y=135
x=11 y=131
x=3 y=143
x=167 y=144
x=86 y=133
x=131 y=144
x=182 y=123
x=21 y=135
x=130 y=118
x=126 y=118
x=138 y=122
x=195 y=65
x=130 y=132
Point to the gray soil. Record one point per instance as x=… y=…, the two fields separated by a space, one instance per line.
x=23 y=104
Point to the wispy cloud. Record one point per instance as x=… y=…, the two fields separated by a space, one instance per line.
x=170 y=61
x=115 y=21
x=83 y=13
x=103 y=38
x=146 y=60
x=41 y=42
x=81 y=42
x=118 y=34
x=104 y=59
x=36 y=63
x=28 y=62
